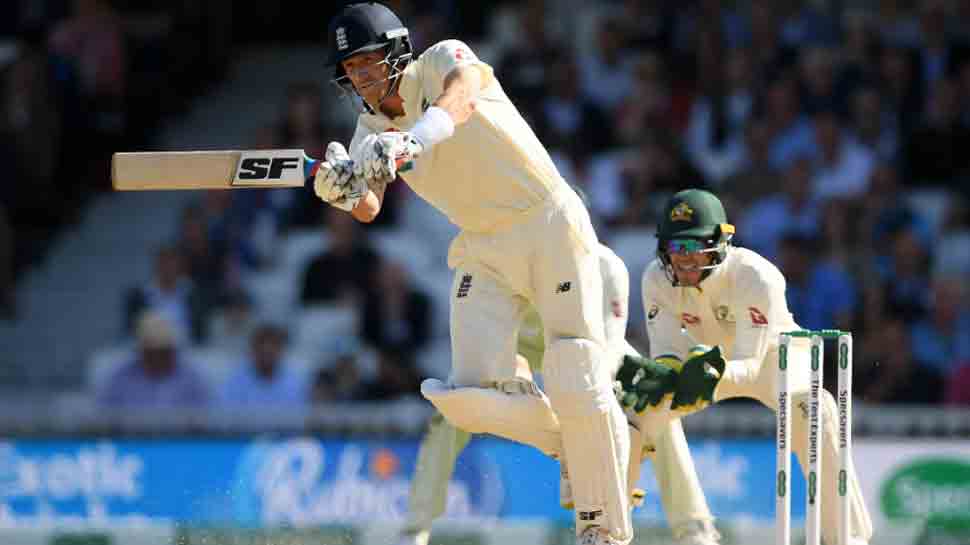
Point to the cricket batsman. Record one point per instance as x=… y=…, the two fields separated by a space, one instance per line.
x=442 y=123
x=701 y=290
x=683 y=500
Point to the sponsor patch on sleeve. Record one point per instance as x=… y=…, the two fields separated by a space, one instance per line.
x=757 y=317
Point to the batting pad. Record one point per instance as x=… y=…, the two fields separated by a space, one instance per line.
x=860 y=523
x=522 y=417
x=594 y=434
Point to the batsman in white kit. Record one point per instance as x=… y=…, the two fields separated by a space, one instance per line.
x=700 y=292
x=442 y=123
x=683 y=500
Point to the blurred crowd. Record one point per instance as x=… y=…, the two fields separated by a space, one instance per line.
x=80 y=79
x=837 y=138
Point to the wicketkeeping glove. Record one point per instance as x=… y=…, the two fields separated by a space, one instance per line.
x=335 y=181
x=381 y=155
x=642 y=381
x=698 y=378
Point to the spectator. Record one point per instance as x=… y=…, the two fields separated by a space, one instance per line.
x=942 y=339
x=647 y=110
x=954 y=238
x=158 y=376
x=839 y=234
x=172 y=294
x=711 y=17
x=805 y=24
x=233 y=325
x=901 y=287
x=607 y=196
x=658 y=168
x=791 y=131
x=860 y=51
x=902 y=93
x=938 y=55
x=93 y=39
x=266 y=379
x=396 y=315
x=891 y=372
x=715 y=134
x=205 y=264
x=843 y=166
x=936 y=149
x=644 y=25
x=607 y=74
x=345 y=272
x=959 y=23
x=568 y=121
x=897 y=25
x=820 y=292
x=882 y=211
x=227 y=227
x=31 y=129
x=340 y=382
x=302 y=124
x=872 y=126
x=772 y=56
x=396 y=378
x=756 y=177
x=523 y=67
x=791 y=210
x=432 y=24
x=818 y=80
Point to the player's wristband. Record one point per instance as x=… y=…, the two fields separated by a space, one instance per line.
x=433 y=127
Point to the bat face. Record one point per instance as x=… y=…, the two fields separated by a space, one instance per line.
x=145 y=171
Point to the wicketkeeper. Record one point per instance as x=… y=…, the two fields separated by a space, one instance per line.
x=700 y=292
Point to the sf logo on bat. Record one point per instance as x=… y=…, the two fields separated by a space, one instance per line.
x=262 y=168
x=267 y=166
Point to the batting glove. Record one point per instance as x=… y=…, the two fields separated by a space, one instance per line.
x=382 y=155
x=335 y=182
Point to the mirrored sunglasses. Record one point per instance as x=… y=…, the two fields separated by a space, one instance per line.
x=685 y=246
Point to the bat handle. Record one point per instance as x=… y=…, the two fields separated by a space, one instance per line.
x=310 y=167
x=404 y=163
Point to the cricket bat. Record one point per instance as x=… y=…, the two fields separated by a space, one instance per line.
x=157 y=170
x=231 y=169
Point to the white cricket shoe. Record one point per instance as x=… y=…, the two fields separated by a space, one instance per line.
x=416 y=538
x=595 y=535
x=697 y=532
